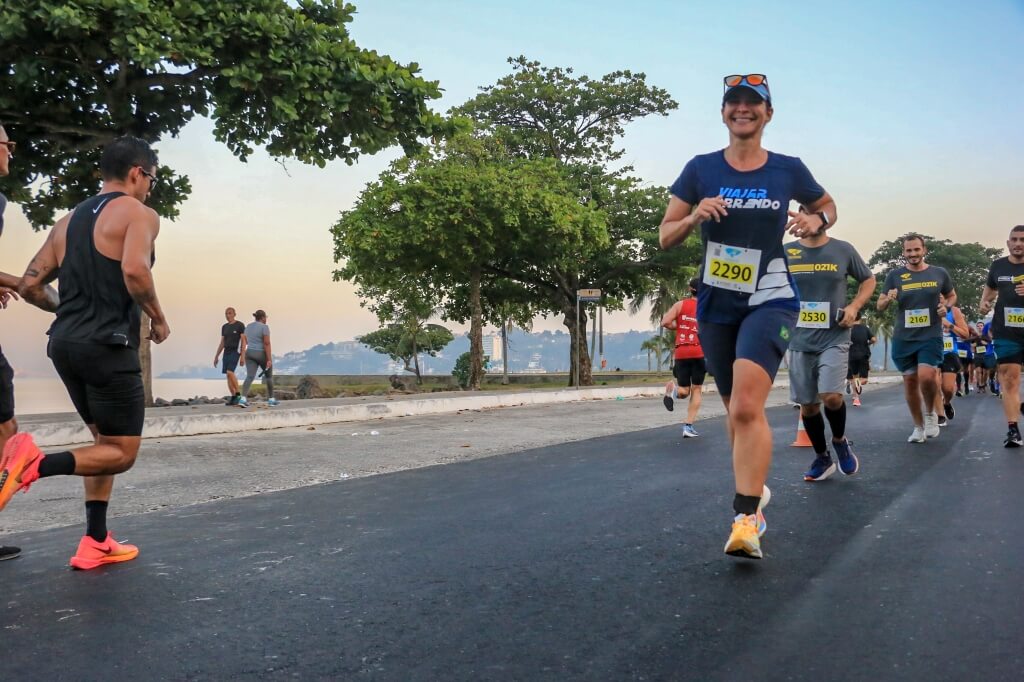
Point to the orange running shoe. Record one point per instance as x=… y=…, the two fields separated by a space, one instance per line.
x=92 y=554
x=19 y=466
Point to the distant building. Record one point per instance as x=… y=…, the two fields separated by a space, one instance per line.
x=534 y=367
x=496 y=354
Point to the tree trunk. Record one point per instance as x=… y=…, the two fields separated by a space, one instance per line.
x=504 y=352
x=416 y=362
x=593 y=343
x=579 y=352
x=476 y=332
x=146 y=361
x=885 y=360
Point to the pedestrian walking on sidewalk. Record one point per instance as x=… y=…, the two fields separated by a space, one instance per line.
x=258 y=356
x=232 y=344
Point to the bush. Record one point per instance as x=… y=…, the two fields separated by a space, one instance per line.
x=461 y=369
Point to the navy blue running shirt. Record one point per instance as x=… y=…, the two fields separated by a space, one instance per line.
x=744 y=263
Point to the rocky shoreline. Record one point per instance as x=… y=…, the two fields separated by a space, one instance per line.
x=308 y=388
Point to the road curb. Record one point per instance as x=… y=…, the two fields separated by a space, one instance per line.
x=259 y=418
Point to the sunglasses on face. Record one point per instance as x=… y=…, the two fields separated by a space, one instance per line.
x=153 y=180
x=10 y=145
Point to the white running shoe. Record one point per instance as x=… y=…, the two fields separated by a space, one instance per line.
x=931 y=425
x=917 y=436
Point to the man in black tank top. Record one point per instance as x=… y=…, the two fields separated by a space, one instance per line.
x=8 y=291
x=101 y=255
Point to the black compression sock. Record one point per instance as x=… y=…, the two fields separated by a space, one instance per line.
x=745 y=504
x=57 y=464
x=96 y=520
x=1013 y=426
x=837 y=420
x=815 y=426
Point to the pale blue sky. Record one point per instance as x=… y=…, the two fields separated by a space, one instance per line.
x=909 y=113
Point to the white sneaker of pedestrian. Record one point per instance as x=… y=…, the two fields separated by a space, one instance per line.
x=917 y=436
x=931 y=425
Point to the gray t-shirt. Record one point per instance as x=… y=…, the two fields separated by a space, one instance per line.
x=820 y=274
x=254 y=333
x=917 y=312
x=3 y=205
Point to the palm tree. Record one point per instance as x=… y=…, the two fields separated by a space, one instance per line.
x=662 y=297
x=662 y=346
x=651 y=346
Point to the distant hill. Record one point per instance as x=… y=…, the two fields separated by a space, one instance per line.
x=528 y=352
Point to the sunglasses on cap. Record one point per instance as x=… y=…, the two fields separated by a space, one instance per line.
x=758 y=82
x=749 y=79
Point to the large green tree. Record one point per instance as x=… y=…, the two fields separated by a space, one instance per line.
x=459 y=219
x=75 y=74
x=577 y=121
x=967 y=264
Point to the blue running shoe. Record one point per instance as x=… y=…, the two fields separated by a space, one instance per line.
x=821 y=468
x=848 y=462
x=272 y=402
x=689 y=431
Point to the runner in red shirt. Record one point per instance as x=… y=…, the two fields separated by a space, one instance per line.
x=689 y=368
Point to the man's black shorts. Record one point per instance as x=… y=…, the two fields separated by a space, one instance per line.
x=105 y=384
x=951 y=363
x=690 y=371
x=858 y=367
x=230 y=363
x=6 y=391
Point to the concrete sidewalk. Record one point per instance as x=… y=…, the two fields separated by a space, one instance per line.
x=162 y=422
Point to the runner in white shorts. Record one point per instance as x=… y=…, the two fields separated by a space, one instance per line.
x=819 y=350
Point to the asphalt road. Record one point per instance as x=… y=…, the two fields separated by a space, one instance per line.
x=596 y=559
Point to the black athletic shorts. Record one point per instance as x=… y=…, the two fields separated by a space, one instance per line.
x=230 y=362
x=689 y=371
x=6 y=390
x=951 y=363
x=105 y=384
x=858 y=367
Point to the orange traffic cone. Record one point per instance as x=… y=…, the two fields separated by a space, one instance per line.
x=802 y=440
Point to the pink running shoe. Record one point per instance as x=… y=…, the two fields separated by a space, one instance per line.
x=19 y=466
x=92 y=554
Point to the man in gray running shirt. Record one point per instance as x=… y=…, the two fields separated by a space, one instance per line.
x=819 y=348
x=258 y=355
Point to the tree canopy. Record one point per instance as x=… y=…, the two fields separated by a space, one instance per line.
x=74 y=74
x=471 y=224
x=404 y=341
x=540 y=112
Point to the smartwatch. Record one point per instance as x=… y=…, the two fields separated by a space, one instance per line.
x=824 y=219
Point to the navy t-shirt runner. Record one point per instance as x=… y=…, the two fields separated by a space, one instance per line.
x=917 y=317
x=744 y=262
x=1008 y=317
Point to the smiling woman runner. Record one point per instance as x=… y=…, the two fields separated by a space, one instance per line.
x=747 y=307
